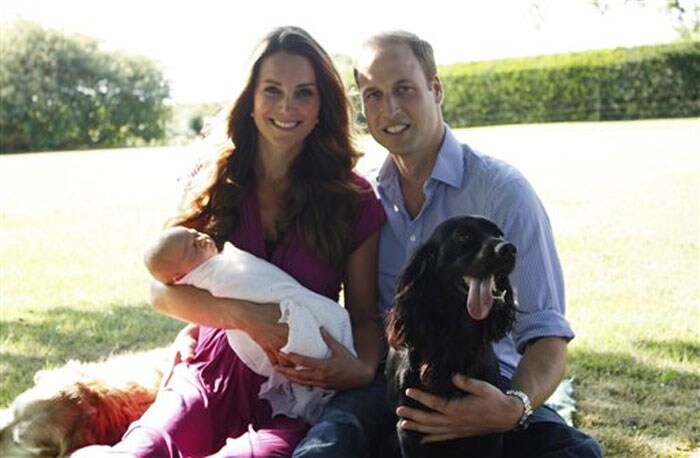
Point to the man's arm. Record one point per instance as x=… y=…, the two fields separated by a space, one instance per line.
x=539 y=281
x=488 y=409
x=541 y=369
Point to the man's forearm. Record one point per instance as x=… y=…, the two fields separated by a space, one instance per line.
x=541 y=369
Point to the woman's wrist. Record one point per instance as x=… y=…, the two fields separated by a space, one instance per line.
x=247 y=315
x=367 y=373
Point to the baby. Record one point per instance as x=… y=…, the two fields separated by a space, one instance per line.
x=188 y=257
x=177 y=252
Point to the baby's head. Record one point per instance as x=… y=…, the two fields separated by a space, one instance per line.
x=176 y=252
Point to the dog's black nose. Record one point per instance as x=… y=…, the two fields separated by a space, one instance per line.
x=506 y=250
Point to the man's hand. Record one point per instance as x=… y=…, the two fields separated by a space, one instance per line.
x=341 y=371
x=484 y=410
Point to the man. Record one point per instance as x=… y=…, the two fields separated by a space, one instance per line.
x=428 y=177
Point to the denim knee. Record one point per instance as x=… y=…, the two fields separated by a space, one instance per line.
x=352 y=422
x=337 y=434
x=550 y=439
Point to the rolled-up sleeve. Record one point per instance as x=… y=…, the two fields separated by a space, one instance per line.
x=538 y=278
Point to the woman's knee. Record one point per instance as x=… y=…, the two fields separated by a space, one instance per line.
x=275 y=443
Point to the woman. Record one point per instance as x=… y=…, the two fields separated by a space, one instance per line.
x=284 y=190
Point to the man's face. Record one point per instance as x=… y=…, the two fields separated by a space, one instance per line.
x=402 y=108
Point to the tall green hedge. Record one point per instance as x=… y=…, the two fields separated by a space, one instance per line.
x=660 y=81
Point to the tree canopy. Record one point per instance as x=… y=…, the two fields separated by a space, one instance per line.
x=61 y=91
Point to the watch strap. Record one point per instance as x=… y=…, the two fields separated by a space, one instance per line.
x=527 y=405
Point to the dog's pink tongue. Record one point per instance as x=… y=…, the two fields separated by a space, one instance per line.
x=480 y=298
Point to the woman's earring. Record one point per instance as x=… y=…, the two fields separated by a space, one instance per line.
x=252 y=115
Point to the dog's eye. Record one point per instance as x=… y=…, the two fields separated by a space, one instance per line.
x=461 y=236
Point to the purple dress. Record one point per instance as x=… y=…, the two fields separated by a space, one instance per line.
x=210 y=406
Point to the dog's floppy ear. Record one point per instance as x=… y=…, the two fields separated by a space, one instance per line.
x=411 y=286
x=417 y=269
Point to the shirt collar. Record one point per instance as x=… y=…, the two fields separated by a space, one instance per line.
x=449 y=166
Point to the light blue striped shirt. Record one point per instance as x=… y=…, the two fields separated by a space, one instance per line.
x=465 y=182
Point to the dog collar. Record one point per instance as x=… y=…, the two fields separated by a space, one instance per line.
x=525 y=399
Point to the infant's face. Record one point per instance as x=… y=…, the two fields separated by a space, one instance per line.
x=195 y=248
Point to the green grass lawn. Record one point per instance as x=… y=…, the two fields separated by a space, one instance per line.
x=624 y=200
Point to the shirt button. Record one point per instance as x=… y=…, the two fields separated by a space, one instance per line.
x=412 y=239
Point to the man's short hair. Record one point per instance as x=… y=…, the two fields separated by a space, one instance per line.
x=420 y=48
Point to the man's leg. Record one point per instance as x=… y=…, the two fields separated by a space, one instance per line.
x=548 y=436
x=352 y=424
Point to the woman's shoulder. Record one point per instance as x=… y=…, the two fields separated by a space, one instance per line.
x=360 y=181
x=368 y=194
x=370 y=215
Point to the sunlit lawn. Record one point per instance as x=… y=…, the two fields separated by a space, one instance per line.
x=623 y=199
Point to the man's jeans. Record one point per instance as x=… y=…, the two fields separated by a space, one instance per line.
x=548 y=436
x=356 y=422
x=352 y=423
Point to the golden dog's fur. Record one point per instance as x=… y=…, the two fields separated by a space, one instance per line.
x=81 y=404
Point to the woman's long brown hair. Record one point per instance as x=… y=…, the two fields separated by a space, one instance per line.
x=322 y=200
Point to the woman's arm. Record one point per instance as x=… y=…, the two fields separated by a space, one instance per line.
x=343 y=370
x=361 y=302
x=194 y=305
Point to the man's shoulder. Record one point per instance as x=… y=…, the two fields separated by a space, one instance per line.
x=490 y=170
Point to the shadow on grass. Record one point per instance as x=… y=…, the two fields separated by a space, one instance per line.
x=50 y=338
x=676 y=350
x=636 y=408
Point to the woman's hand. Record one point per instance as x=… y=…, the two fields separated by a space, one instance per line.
x=262 y=325
x=185 y=344
x=341 y=371
x=181 y=350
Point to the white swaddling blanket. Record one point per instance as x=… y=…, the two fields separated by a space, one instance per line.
x=237 y=274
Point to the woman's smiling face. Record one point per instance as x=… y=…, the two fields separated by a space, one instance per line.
x=286 y=102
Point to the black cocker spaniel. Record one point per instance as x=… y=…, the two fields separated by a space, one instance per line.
x=453 y=300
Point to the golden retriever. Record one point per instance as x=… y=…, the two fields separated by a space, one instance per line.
x=80 y=404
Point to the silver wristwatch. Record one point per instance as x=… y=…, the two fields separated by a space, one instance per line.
x=522 y=423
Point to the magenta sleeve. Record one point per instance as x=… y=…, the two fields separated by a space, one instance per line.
x=370 y=217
